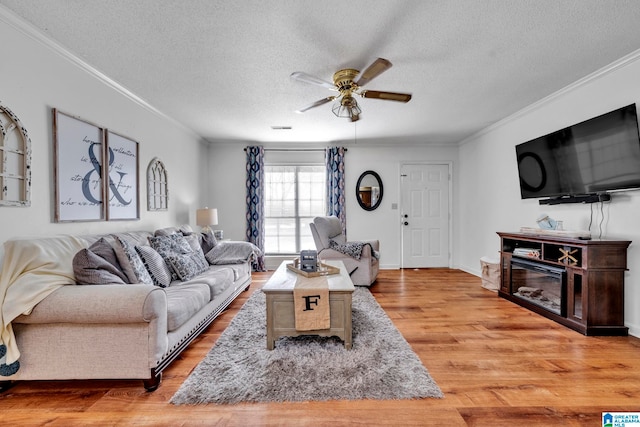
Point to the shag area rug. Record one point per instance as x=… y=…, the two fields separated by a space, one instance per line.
x=239 y=368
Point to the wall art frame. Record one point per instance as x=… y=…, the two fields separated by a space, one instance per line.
x=122 y=177
x=15 y=160
x=78 y=175
x=157 y=186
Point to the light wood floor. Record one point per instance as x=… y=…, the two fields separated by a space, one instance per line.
x=497 y=364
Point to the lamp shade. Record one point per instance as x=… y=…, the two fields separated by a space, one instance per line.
x=207 y=216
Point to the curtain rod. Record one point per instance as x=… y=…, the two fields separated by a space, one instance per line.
x=294 y=149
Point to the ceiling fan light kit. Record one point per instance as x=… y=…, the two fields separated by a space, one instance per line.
x=344 y=83
x=347 y=107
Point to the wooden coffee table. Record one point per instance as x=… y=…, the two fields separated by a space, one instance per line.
x=280 y=312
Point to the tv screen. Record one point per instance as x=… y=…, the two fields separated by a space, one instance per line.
x=592 y=157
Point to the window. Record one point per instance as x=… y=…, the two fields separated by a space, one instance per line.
x=294 y=195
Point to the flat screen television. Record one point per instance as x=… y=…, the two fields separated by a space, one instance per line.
x=593 y=157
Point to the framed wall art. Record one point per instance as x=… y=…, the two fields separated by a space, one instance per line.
x=157 y=186
x=78 y=154
x=122 y=177
x=15 y=160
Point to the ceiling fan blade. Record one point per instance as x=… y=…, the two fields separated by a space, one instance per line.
x=316 y=104
x=378 y=67
x=307 y=78
x=390 y=96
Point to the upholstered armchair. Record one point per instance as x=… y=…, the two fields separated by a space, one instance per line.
x=331 y=244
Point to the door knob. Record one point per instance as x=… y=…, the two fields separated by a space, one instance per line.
x=406 y=223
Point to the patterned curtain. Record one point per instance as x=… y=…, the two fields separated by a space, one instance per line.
x=334 y=162
x=255 y=201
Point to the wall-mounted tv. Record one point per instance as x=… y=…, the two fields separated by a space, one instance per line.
x=593 y=157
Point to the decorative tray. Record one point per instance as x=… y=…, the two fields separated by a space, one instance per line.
x=323 y=269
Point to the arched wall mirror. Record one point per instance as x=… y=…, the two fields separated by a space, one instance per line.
x=369 y=190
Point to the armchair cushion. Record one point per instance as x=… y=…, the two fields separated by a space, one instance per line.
x=329 y=228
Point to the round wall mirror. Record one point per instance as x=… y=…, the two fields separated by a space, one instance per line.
x=369 y=190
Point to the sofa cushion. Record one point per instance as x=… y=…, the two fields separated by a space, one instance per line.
x=240 y=271
x=217 y=279
x=131 y=262
x=183 y=301
x=168 y=231
x=133 y=237
x=156 y=266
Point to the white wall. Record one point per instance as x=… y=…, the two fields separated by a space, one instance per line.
x=227 y=177
x=489 y=192
x=34 y=78
x=384 y=223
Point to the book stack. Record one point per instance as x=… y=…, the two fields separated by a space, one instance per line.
x=528 y=252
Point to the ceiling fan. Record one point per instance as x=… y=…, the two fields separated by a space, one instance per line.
x=344 y=83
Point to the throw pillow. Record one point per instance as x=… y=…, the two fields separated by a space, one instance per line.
x=178 y=253
x=156 y=266
x=170 y=243
x=131 y=262
x=193 y=242
x=185 y=229
x=90 y=268
x=105 y=250
x=187 y=265
x=208 y=242
x=167 y=245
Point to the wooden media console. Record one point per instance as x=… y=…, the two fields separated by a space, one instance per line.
x=575 y=282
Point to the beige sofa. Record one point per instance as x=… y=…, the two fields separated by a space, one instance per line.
x=103 y=331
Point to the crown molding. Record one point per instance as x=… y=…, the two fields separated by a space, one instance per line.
x=614 y=66
x=28 y=29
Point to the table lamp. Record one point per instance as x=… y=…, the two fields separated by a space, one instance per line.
x=206 y=217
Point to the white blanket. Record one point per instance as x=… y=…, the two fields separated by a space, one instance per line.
x=234 y=252
x=32 y=269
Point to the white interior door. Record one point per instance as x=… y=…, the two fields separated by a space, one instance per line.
x=425 y=215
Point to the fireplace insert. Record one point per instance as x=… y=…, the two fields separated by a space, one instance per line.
x=539 y=284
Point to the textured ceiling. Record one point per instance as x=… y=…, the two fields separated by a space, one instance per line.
x=222 y=67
